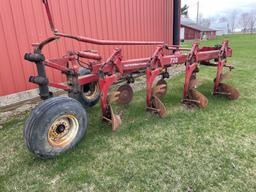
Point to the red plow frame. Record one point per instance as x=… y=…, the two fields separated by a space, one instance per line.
x=114 y=70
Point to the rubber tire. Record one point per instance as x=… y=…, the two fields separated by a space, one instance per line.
x=83 y=100
x=36 y=128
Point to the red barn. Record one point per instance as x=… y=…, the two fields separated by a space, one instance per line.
x=25 y=22
x=192 y=31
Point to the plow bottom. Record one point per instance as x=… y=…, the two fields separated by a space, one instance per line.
x=112 y=118
x=230 y=92
x=115 y=120
x=197 y=98
x=157 y=107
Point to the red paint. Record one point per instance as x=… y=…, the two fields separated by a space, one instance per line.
x=191 y=34
x=151 y=76
x=25 y=22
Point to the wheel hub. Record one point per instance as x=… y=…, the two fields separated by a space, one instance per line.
x=60 y=129
x=91 y=91
x=63 y=130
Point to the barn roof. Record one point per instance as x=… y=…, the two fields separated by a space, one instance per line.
x=186 y=22
x=198 y=27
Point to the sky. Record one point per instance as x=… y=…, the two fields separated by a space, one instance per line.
x=218 y=8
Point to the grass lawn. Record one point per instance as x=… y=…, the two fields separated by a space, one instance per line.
x=190 y=150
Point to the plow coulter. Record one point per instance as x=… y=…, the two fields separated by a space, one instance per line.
x=58 y=123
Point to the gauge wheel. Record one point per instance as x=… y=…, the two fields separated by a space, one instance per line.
x=89 y=94
x=55 y=126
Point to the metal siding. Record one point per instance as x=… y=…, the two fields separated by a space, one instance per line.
x=191 y=34
x=211 y=34
x=24 y=22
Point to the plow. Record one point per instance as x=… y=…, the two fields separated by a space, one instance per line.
x=58 y=123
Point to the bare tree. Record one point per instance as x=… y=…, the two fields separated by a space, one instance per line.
x=232 y=21
x=244 y=21
x=252 y=21
x=205 y=22
x=223 y=19
x=200 y=18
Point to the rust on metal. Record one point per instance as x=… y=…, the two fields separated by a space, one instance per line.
x=126 y=94
x=113 y=96
x=158 y=107
x=198 y=98
x=230 y=92
x=115 y=120
x=194 y=83
x=161 y=88
x=63 y=130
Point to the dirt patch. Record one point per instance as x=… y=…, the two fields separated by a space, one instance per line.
x=15 y=113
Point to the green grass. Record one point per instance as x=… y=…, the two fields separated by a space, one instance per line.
x=203 y=150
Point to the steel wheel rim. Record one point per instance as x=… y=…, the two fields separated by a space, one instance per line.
x=63 y=130
x=92 y=93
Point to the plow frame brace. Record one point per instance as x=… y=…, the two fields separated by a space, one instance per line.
x=106 y=80
x=154 y=69
x=191 y=66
